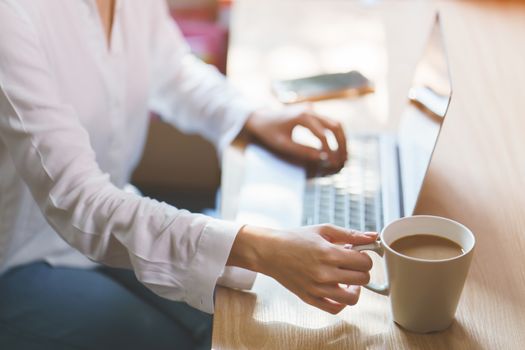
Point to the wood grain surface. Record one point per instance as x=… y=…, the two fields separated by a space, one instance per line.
x=477 y=175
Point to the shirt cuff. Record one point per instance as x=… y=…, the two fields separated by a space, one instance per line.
x=238 y=278
x=208 y=264
x=239 y=113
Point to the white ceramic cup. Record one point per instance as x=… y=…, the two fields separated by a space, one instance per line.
x=424 y=294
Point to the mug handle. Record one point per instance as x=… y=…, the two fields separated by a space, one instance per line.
x=382 y=289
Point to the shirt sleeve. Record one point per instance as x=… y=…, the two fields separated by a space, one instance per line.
x=186 y=92
x=177 y=254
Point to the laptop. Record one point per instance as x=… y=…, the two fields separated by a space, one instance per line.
x=380 y=181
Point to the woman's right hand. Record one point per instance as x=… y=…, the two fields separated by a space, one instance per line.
x=310 y=261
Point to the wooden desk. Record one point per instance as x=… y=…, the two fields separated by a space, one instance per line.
x=477 y=175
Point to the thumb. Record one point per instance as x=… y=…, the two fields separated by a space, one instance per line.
x=336 y=234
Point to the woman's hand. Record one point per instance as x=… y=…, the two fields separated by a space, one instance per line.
x=274 y=130
x=308 y=261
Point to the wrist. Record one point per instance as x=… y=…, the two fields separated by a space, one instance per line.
x=250 y=126
x=248 y=250
x=257 y=120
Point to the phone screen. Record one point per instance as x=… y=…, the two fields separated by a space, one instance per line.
x=322 y=86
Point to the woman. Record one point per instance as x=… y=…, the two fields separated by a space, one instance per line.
x=77 y=79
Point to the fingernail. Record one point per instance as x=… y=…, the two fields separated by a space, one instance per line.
x=354 y=289
x=323 y=156
x=370 y=234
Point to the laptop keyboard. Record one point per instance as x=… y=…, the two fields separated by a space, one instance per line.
x=352 y=197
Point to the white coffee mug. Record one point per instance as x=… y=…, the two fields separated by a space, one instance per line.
x=424 y=294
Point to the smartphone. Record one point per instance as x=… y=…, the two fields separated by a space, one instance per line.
x=321 y=87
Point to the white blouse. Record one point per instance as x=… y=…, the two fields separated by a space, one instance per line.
x=73 y=121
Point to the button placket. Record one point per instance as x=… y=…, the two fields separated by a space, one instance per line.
x=110 y=64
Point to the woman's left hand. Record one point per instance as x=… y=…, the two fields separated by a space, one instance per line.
x=274 y=130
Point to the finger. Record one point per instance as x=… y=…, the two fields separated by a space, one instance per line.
x=337 y=234
x=324 y=304
x=351 y=260
x=337 y=129
x=338 y=256
x=301 y=152
x=342 y=295
x=337 y=275
x=315 y=126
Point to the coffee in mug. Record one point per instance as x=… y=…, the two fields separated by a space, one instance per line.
x=427 y=246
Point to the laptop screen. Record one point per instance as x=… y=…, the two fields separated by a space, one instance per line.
x=429 y=98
